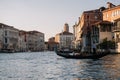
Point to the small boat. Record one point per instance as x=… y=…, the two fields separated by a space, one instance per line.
x=81 y=55
x=7 y=51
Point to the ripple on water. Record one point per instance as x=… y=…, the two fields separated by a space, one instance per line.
x=49 y=66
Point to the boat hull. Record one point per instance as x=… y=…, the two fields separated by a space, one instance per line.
x=82 y=55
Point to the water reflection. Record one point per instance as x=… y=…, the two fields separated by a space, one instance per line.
x=106 y=68
x=49 y=66
x=112 y=66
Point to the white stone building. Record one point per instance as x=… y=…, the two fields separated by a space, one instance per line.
x=22 y=41
x=77 y=35
x=9 y=37
x=34 y=41
x=64 y=38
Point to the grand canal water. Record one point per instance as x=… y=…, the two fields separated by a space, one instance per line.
x=49 y=66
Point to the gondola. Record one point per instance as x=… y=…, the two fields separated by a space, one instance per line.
x=82 y=55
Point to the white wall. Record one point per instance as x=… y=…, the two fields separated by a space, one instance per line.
x=64 y=38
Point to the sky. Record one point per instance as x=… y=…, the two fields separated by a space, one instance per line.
x=46 y=16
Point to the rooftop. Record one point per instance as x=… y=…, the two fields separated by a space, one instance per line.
x=65 y=33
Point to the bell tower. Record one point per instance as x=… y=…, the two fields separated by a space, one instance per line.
x=66 y=27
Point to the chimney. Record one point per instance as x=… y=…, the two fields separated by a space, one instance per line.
x=110 y=5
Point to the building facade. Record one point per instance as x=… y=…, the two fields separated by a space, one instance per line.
x=22 y=41
x=14 y=40
x=64 y=38
x=77 y=38
x=116 y=31
x=112 y=14
x=51 y=44
x=100 y=31
x=35 y=41
x=83 y=28
x=96 y=25
x=9 y=37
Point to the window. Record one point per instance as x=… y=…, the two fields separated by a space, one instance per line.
x=5 y=33
x=118 y=24
x=118 y=12
x=96 y=17
x=107 y=15
x=109 y=28
x=117 y=38
x=113 y=14
x=6 y=40
x=61 y=38
x=102 y=29
x=87 y=16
